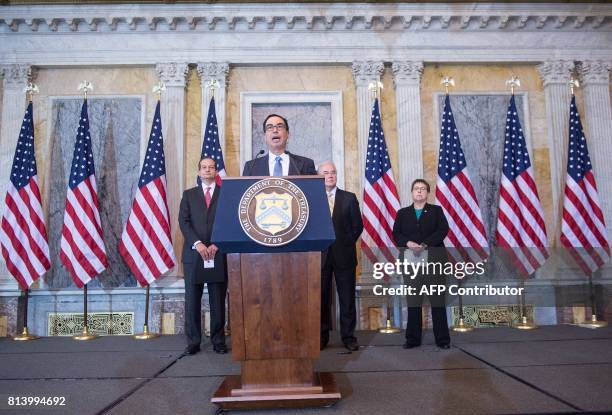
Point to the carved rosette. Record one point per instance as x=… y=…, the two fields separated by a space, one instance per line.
x=595 y=72
x=172 y=73
x=17 y=75
x=407 y=73
x=218 y=71
x=365 y=72
x=555 y=72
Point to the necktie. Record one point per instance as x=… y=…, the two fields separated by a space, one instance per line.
x=330 y=202
x=278 y=167
x=207 y=197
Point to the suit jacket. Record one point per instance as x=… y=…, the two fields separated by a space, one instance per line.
x=298 y=166
x=196 y=223
x=348 y=226
x=431 y=228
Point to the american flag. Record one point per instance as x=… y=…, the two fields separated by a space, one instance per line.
x=23 y=236
x=82 y=247
x=211 y=147
x=380 y=199
x=583 y=229
x=455 y=193
x=146 y=242
x=520 y=221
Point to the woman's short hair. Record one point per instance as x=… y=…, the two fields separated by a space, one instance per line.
x=420 y=181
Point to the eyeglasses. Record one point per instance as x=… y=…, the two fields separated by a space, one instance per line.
x=420 y=188
x=270 y=127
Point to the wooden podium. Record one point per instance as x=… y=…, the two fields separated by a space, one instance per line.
x=275 y=304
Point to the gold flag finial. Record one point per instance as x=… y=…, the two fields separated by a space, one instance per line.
x=30 y=90
x=573 y=83
x=158 y=89
x=374 y=88
x=85 y=86
x=213 y=85
x=447 y=81
x=513 y=82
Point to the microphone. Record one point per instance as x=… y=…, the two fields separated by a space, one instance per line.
x=261 y=153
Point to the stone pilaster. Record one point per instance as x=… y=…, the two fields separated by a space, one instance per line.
x=364 y=72
x=174 y=75
x=16 y=77
x=556 y=77
x=597 y=116
x=407 y=80
x=217 y=71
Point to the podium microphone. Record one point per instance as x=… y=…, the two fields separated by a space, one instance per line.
x=261 y=153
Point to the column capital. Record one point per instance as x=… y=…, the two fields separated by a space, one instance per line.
x=172 y=73
x=213 y=70
x=17 y=75
x=365 y=72
x=407 y=72
x=595 y=72
x=556 y=72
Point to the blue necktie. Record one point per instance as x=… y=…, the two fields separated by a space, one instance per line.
x=278 y=168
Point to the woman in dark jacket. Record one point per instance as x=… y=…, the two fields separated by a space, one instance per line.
x=421 y=228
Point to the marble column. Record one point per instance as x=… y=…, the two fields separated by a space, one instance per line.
x=16 y=78
x=556 y=76
x=364 y=72
x=407 y=80
x=174 y=75
x=597 y=117
x=209 y=71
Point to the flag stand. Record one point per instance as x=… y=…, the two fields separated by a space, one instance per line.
x=524 y=324
x=85 y=334
x=461 y=327
x=146 y=334
x=25 y=334
x=389 y=328
x=593 y=323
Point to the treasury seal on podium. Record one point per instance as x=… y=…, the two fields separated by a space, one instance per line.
x=273 y=212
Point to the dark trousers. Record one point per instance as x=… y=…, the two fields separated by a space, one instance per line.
x=193 y=314
x=414 y=326
x=345 y=285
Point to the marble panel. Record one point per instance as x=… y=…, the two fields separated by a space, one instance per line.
x=9 y=309
x=310 y=128
x=115 y=125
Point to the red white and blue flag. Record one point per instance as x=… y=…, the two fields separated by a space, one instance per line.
x=466 y=237
x=380 y=198
x=211 y=146
x=82 y=245
x=23 y=236
x=146 y=241
x=520 y=221
x=583 y=228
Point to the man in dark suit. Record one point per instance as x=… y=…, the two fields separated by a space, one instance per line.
x=340 y=259
x=202 y=261
x=279 y=162
x=421 y=228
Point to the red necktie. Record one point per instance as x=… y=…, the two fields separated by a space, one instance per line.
x=207 y=197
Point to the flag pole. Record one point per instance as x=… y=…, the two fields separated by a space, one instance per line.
x=525 y=324
x=85 y=334
x=25 y=334
x=593 y=323
x=461 y=327
x=146 y=334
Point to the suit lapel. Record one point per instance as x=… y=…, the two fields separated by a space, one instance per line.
x=295 y=165
x=425 y=211
x=337 y=203
x=261 y=166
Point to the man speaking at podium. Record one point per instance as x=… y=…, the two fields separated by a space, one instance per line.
x=279 y=162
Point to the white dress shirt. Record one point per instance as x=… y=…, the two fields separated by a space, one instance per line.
x=212 y=190
x=284 y=163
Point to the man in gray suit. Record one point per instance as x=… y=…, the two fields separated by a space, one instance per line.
x=202 y=261
x=279 y=162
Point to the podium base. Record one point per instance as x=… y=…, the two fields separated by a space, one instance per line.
x=231 y=395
